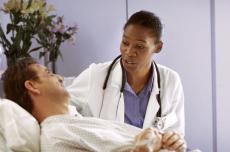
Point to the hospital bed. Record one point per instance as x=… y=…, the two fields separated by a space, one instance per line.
x=19 y=131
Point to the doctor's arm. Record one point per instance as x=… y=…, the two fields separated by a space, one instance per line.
x=173 y=138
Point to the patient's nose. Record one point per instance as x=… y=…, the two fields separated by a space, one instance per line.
x=60 y=78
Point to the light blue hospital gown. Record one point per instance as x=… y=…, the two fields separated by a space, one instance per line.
x=65 y=133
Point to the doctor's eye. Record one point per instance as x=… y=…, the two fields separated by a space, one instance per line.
x=139 y=46
x=125 y=43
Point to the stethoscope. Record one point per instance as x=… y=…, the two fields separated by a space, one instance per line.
x=158 y=121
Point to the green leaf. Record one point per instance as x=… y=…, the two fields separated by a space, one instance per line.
x=41 y=54
x=12 y=38
x=3 y=37
x=60 y=54
x=44 y=4
x=26 y=45
x=9 y=27
x=16 y=18
x=38 y=41
x=29 y=4
x=35 y=49
x=18 y=38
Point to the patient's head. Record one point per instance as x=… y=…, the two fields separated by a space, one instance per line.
x=14 y=79
x=31 y=85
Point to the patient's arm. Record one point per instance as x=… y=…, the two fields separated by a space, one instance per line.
x=148 y=140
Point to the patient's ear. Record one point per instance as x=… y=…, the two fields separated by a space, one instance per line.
x=31 y=87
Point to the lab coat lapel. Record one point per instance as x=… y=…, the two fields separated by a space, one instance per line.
x=113 y=102
x=153 y=105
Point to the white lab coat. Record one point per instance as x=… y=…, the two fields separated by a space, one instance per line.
x=87 y=94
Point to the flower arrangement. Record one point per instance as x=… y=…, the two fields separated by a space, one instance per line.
x=53 y=35
x=32 y=22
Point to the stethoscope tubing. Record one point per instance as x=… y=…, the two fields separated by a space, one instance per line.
x=123 y=81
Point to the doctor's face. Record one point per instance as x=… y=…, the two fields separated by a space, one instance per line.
x=137 y=47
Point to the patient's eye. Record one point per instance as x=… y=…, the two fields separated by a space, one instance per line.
x=49 y=72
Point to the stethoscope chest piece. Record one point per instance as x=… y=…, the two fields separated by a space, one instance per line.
x=158 y=123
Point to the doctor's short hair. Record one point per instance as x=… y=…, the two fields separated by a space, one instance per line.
x=14 y=79
x=148 y=20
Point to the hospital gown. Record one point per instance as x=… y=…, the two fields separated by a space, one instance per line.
x=65 y=133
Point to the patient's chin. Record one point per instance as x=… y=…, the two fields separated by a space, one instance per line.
x=66 y=95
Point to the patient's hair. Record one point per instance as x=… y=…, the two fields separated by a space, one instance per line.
x=14 y=82
x=147 y=20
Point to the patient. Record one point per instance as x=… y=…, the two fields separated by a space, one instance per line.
x=41 y=93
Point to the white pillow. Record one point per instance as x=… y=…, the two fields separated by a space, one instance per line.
x=2 y=143
x=18 y=129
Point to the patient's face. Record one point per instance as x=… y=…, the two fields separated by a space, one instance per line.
x=49 y=84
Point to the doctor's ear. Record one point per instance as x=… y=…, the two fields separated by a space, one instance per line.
x=31 y=87
x=158 y=46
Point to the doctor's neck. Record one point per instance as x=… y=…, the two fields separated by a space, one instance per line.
x=137 y=80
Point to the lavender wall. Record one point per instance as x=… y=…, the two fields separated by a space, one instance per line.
x=2 y=57
x=100 y=29
x=3 y=22
x=222 y=74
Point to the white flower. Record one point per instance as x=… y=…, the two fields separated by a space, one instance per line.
x=50 y=8
x=72 y=40
x=36 y=5
x=12 y=5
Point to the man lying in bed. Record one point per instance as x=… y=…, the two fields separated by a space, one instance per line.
x=41 y=93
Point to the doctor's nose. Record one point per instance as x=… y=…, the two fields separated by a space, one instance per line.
x=129 y=51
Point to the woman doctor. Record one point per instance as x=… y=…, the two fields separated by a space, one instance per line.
x=133 y=89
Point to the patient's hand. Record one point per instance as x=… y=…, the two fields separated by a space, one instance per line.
x=148 y=140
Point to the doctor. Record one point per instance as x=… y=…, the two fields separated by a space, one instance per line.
x=133 y=88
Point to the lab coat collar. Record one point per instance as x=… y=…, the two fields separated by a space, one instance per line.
x=116 y=77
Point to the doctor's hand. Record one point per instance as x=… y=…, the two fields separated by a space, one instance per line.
x=173 y=141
